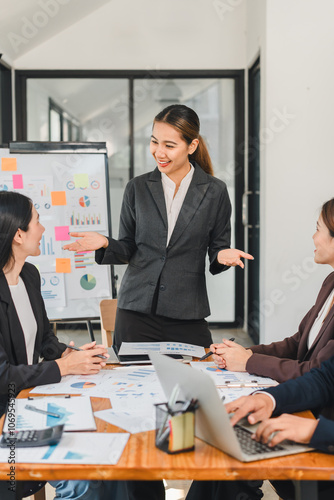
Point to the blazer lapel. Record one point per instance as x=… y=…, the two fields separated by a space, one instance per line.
x=15 y=333
x=195 y=194
x=322 y=297
x=155 y=186
x=329 y=318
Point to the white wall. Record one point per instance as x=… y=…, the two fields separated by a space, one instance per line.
x=296 y=41
x=148 y=34
x=297 y=173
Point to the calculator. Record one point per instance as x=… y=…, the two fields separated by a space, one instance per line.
x=32 y=437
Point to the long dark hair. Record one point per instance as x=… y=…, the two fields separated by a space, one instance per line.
x=327 y=214
x=186 y=121
x=15 y=213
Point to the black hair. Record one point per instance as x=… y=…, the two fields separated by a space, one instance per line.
x=327 y=214
x=15 y=213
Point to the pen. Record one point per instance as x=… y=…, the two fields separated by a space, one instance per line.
x=210 y=352
x=78 y=349
x=45 y=412
x=66 y=396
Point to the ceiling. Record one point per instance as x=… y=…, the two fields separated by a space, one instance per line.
x=25 y=24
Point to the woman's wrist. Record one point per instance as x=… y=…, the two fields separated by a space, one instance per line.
x=106 y=242
x=62 y=365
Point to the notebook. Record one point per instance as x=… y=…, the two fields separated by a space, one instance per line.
x=212 y=421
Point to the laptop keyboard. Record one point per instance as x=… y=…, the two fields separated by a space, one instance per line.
x=251 y=447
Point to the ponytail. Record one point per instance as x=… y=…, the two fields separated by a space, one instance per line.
x=202 y=157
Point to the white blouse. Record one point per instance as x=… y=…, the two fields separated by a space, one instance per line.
x=26 y=316
x=174 y=203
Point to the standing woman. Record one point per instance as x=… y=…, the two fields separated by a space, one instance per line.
x=170 y=218
x=26 y=335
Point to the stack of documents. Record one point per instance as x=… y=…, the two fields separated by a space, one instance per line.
x=75 y=413
x=233 y=385
x=74 y=448
x=180 y=348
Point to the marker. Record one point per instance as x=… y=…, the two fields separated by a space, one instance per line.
x=210 y=352
x=45 y=412
x=78 y=349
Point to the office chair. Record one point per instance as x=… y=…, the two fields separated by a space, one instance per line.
x=108 y=316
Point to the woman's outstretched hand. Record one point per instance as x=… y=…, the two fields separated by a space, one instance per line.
x=232 y=257
x=88 y=241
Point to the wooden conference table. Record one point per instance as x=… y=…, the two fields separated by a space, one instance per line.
x=141 y=460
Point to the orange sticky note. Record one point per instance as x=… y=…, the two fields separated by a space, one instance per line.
x=8 y=164
x=58 y=198
x=63 y=265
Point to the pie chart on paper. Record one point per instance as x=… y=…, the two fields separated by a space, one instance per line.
x=88 y=282
x=84 y=201
x=83 y=385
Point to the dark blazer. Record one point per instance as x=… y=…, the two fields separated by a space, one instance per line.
x=312 y=391
x=203 y=226
x=291 y=357
x=13 y=356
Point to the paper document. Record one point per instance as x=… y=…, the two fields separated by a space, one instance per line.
x=227 y=395
x=76 y=413
x=74 y=448
x=138 y=421
x=225 y=378
x=135 y=348
x=73 y=384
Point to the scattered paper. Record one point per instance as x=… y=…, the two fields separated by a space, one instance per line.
x=76 y=413
x=135 y=348
x=73 y=384
x=133 y=422
x=232 y=379
x=74 y=448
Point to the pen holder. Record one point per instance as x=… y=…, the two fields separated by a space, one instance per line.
x=175 y=429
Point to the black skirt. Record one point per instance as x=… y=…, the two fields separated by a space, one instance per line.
x=132 y=326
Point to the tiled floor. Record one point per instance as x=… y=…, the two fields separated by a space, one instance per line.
x=175 y=490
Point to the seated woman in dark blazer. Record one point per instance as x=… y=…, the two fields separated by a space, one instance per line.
x=313 y=390
x=294 y=356
x=25 y=332
x=314 y=341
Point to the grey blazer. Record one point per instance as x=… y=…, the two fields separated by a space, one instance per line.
x=178 y=269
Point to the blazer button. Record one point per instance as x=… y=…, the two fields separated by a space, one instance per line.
x=163 y=258
x=162 y=287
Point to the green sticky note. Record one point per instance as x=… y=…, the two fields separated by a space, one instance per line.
x=81 y=180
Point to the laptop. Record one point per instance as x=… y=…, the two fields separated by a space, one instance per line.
x=212 y=421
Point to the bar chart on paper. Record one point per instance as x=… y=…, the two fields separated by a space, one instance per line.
x=85 y=219
x=47 y=246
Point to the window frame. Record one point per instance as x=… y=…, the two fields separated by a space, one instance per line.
x=6 y=117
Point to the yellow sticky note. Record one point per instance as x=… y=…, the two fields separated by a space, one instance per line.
x=81 y=180
x=63 y=265
x=58 y=198
x=8 y=164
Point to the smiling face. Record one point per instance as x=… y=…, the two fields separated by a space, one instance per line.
x=171 y=151
x=30 y=239
x=324 y=244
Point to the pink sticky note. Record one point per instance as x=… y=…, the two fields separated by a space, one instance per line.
x=17 y=181
x=61 y=233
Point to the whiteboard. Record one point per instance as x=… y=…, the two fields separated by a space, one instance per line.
x=68 y=185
